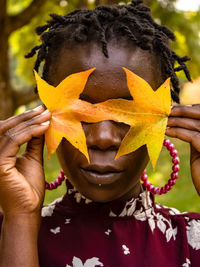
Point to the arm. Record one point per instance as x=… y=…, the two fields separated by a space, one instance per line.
x=18 y=245
x=22 y=187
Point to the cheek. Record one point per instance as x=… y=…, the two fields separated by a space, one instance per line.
x=136 y=162
x=69 y=158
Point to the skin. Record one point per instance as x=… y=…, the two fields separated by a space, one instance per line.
x=22 y=177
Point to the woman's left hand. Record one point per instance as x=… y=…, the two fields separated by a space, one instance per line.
x=184 y=124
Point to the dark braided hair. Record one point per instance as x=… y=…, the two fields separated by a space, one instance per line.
x=132 y=22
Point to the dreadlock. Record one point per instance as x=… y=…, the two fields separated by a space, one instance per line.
x=133 y=22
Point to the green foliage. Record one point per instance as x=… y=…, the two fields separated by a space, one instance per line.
x=186 y=26
x=16 y=6
x=24 y=39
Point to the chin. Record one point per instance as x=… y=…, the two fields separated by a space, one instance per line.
x=101 y=194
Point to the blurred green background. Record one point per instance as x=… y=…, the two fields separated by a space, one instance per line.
x=18 y=20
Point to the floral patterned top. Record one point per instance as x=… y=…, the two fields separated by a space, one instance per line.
x=77 y=232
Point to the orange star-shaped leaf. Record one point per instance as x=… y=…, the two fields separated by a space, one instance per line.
x=59 y=101
x=147 y=114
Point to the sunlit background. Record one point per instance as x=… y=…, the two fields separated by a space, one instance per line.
x=17 y=84
x=188 y=5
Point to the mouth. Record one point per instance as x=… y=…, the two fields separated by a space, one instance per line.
x=103 y=175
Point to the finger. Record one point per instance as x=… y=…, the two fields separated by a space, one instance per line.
x=16 y=120
x=34 y=149
x=192 y=137
x=186 y=111
x=44 y=116
x=186 y=123
x=12 y=142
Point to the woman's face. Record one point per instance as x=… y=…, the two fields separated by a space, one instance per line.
x=104 y=178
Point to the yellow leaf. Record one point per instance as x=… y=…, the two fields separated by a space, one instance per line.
x=150 y=119
x=59 y=101
x=147 y=115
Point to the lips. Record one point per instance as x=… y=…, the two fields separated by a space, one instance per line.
x=101 y=168
x=100 y=174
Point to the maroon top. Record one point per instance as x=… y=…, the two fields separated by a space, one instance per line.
x=77 y=232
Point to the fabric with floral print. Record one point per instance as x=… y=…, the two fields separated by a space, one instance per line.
x=77 y=232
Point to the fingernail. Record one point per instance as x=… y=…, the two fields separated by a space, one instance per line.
x=45 y=123
x=38 y=108
x=45 y=112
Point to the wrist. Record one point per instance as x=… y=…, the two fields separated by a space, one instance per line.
x=19 y=239
x=24 y=220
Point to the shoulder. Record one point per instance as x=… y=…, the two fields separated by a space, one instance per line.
x=187 y=222
x=173 y=212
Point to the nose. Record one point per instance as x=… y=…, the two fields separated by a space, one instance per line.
x=105 y=135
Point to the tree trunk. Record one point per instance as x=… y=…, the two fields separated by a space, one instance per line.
x=9 y=98
x=6 y=103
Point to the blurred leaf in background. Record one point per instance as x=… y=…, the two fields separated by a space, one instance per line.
x=191 y=93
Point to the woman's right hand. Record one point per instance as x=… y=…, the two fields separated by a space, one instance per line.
x=22 y=181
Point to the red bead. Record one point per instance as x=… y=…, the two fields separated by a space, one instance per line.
x=159 y=191
x=144 y=177
x=59 y=182
x=166 y=142
x=174 y=175
x=154 y=190
x=171 y=182
x=146 y=183
x=46 y=185
x=50 y=186
x=162 y=190
x=170 y=147
x=176 y=168
x=175 y=160
x=174 y=153
x=150 y=187
x=60 y=178
x=53 y=185
x=168 y=187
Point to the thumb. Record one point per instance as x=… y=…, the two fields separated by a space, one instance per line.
x=34 y=148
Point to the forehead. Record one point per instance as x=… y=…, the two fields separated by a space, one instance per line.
x=108 y=80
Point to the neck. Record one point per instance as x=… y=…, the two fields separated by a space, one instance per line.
x=133 y=192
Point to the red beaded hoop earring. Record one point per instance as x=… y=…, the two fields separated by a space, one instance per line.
x=174 y=175
x=146 y=183
x=57 y=182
